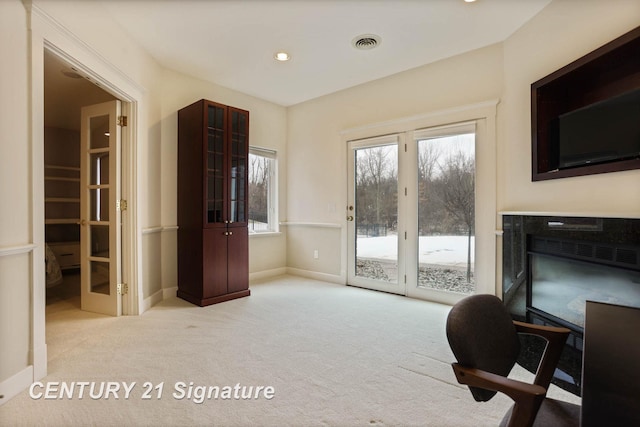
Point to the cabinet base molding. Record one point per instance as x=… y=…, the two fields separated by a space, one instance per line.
x=202 y=302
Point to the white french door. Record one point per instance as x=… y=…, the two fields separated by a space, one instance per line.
x=411 y=212
x=372 y=215
x=100 y=217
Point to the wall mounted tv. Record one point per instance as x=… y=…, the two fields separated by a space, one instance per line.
x=606 y=131
x=585 y=117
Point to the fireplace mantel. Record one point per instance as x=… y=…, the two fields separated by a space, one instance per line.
x=573 y=214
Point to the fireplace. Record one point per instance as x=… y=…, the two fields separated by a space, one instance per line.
x=552 y=265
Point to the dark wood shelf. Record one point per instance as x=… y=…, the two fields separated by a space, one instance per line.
x=607 y=72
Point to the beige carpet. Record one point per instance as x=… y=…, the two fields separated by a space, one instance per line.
x=335 y=356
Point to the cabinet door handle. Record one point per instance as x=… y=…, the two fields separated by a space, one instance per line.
x=228 y=233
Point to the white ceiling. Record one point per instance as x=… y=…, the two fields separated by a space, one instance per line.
x=232 y=43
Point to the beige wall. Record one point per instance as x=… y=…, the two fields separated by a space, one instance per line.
x=87 y=33
x=559 y=34
x=15 y=192
x=317 y=167
x=267 y=129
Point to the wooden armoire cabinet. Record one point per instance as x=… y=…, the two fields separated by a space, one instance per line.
x=213 y=244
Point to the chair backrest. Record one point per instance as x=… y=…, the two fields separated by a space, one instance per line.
x=482 y=336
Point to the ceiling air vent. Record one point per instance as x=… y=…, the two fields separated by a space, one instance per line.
x=366 y=41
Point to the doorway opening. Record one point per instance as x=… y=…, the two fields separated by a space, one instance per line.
x=66 y=91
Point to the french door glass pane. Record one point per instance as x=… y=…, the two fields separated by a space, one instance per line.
x=99 y=199
x=99 y=128
x=446 y=214
x=99 y=241
x=100 y=277
x=376 y=197
x=99 y=168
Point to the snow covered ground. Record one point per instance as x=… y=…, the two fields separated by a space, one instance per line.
x=441 y=250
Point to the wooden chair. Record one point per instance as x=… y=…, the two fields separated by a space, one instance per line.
x=484 y=340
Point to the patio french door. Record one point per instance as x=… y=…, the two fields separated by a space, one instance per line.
x=411 y=212
x=372 y=215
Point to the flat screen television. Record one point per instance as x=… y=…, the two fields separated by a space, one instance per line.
x=605 y=131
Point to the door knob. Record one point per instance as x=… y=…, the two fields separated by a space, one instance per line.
x=350 y=218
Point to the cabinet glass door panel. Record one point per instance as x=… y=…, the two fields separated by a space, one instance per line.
x=214 y=211
x=239 y=159
x=215 y=141
x=215 y=162
x=237 y=193
x=239 y=145
x=215 y=187
x=215 y=165
x=216 y=117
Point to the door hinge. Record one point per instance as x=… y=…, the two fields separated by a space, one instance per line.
x=122 y=121
x=121 y=205
x=405 y=278
x=123 y=289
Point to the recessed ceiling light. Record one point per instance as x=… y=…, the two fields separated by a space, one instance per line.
x=282 y=56
x=366 y=41
x=469 y=1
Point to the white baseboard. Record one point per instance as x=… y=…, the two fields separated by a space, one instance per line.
x=332 y=278
x=169 y=292
x=152 y=300
x=15 y=384
x=265 y=274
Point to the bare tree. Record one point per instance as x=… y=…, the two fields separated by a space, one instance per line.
x=258 y=188
x=375 y=169
x=428 y=205
x=458 y=195
x=428 y=158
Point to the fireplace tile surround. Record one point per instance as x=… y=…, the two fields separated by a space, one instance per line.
x=552 y=264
